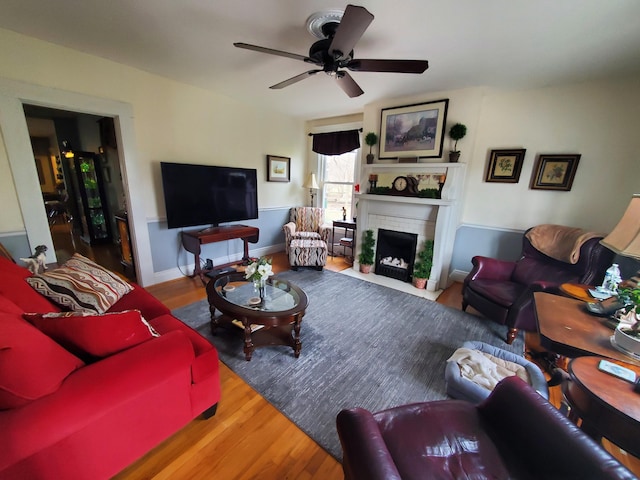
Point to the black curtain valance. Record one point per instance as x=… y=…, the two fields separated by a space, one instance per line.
x=336 y=143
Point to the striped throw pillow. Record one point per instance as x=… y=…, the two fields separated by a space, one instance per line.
x=81 y=285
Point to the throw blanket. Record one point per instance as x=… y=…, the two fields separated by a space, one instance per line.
x=559 y=242
x=484 y=369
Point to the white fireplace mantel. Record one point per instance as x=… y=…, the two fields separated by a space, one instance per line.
x=413 y=213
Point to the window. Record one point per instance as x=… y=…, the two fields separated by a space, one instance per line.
x=338 y=176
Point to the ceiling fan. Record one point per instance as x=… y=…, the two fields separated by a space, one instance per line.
x=334 y=52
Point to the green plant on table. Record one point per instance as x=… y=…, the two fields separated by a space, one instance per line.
x=424 y=262
x=380 y=190
x=366 y=256
x=429 y=193
x=630 y=296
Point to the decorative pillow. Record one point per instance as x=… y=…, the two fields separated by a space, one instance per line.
x=94 y=335
x=31 y=364
x=81 y=285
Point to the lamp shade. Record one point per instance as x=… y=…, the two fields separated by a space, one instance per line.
x=311 y=182
x=625 y=237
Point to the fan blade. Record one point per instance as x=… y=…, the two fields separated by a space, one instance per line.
x=293 y=80
x=352 y=26
x=396 y=66
x=348 y=84
x=271 y=51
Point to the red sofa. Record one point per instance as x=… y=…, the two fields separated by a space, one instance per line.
x=63 y=416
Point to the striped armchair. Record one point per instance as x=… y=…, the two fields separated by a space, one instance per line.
x=306 y=223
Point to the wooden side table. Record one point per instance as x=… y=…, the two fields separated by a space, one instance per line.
x=348 y=227
x=607 y=405
x=566 y=328
x=578 y=291
x=192 y=240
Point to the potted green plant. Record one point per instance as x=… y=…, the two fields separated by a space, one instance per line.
x=627 y=334
x=366 y=256
x=422 y=265
x=370 y=139
x=457 y=132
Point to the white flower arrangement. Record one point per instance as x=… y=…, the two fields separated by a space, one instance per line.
x=259 y=269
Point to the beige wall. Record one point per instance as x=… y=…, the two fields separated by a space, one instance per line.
x=599 y=120
x=173 y=122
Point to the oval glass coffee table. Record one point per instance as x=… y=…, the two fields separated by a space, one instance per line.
x=272 y=320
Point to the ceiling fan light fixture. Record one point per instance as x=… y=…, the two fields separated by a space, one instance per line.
x=317 y=20
x=339 y=32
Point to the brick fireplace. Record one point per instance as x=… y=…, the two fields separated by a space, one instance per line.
x=425 y=218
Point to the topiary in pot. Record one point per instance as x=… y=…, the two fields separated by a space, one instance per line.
x=366 y=256
x=423 y=264
x=457 y=132
x=370 y=139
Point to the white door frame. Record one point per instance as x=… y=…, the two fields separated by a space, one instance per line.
x=13 y=127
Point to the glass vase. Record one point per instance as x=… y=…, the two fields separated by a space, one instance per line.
x=259 y=286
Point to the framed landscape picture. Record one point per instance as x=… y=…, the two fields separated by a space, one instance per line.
x=505 y=166
x=278 y=169
x=554 y=172
x=413 y=130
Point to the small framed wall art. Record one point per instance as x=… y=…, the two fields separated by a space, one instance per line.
x=555 y=172
x=505 y=166
x=278 y=169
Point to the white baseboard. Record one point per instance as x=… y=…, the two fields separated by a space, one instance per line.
x=458 y=275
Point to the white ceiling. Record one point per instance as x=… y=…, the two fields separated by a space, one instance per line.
x=495 y=43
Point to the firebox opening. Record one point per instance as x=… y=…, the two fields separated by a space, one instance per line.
x=395 y=254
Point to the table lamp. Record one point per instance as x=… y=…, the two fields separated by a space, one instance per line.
x=625 y=237
x=312 y=185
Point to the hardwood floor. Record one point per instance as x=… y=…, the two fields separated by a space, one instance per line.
x=248 y=438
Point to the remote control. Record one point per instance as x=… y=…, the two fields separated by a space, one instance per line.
x=617 y=371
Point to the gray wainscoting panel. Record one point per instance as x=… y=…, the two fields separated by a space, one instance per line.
x=17 y=244
x=474 y=240
x=167 y=251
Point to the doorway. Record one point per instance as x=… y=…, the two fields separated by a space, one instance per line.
x=13 y=127
x=81 y=183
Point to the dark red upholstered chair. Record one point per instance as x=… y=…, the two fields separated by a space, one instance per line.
x=514 y=433
x=503 y=291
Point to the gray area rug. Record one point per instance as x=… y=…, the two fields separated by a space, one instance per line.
x=363 y=345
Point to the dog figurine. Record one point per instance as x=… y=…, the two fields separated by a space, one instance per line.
x=36 y=261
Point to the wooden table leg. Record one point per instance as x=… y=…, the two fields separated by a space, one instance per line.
x=214 y=320
x=586 y=427
x=297 y=344
x=245 y=256
x=248 y=343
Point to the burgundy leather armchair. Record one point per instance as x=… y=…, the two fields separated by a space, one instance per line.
x=514 y=433
x=503 y=291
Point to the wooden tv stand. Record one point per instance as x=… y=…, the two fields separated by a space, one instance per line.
x=193 y=239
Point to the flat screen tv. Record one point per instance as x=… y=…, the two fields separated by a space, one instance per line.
x=208 y=194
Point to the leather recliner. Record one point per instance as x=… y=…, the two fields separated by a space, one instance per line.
x=503 y=291
x=514 y=433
